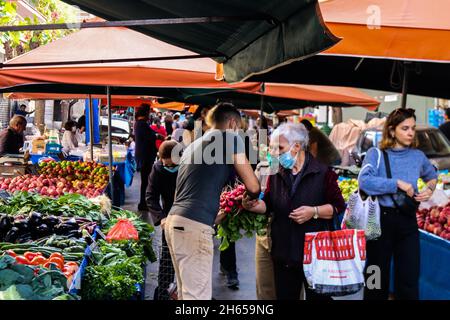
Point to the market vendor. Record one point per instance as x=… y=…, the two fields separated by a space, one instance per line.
x=11 y=138
x=69 y=139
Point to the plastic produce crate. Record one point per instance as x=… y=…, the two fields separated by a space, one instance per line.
x=76 y=281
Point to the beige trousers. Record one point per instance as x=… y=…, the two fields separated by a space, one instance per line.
x=265 y=283
x=191 y=248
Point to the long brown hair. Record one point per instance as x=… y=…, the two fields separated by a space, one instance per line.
x=394 y=119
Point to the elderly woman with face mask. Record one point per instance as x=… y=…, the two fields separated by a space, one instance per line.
x=302 y=196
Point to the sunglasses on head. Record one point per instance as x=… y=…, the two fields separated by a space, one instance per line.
x=408 y=111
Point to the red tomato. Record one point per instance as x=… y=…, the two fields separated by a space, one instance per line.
x=22 y=260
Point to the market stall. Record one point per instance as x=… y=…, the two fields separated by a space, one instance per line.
x=70 y=247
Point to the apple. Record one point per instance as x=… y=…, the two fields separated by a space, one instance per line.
x=437 y=230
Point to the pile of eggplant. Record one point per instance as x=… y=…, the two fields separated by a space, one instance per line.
x=21 y=229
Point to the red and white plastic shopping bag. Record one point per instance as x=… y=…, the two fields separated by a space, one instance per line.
x=334 y=261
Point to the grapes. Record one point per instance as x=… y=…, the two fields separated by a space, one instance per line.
x=348 y=187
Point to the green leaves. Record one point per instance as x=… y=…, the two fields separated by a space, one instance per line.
x=116 y=281
x=19 y=282
x=244 y=221
x=69 y=205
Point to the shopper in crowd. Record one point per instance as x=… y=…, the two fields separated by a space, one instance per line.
x=176 y=121
x=303 y=196
x=320 y=146
x=445 y=127
x=192 y=132
x=264 y=274
x=11 y=138
x=160 y=197
x=145 y=152
x=227 y=257
x=177 y=134
x=265 y=283
x=160 y=131
x=204 y=170
x=22 y=111
x=399 y=231
x=131 y=145
x=69 y=139
x=168 y=124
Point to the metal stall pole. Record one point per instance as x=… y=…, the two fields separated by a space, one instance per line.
x=261 y=115
x=406 y=66
x=110 y=153
x=91 y=127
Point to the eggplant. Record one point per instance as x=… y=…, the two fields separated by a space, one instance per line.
x=74 y=234
x=42 y=230
x=72 y=222
x=12 y=235
x=6 y=223
x=24 y=238
x=35 y=218
x=50 y=221
x=22 y=225
x=64 y=229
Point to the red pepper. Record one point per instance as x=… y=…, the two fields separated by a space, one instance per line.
x=31 y=255
x=11 y=253
x=22 y=260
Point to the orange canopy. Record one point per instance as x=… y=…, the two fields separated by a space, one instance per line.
x=323 y=94
x=394 y=29
x=98 y=44
x=284 y=113
x=292 y=93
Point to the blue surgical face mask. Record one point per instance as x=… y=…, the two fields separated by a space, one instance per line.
x=287 y=161
x=172 y=169
x=273 y=161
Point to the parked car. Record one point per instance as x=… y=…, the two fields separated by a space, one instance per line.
x=431 y=141
x=120 y=129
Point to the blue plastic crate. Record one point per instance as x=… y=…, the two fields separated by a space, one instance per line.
x=76 y=281
x=53 y=148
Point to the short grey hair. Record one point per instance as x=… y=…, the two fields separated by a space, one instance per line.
x=293 y=133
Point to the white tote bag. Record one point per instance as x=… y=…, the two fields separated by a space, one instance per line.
x=334 y=261
x=363 y=211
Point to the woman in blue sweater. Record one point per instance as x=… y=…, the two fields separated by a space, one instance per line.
x=400 y=234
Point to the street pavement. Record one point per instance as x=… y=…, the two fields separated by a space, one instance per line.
x=245 y=257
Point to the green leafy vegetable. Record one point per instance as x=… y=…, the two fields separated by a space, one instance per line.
x=68 y=205
x=114 y=281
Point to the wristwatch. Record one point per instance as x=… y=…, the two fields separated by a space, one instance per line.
x=316 y=213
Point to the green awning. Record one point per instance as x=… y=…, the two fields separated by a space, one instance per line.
x=276 y=32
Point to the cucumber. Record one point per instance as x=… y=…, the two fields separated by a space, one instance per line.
x=73 y=257
x=74 y=249
x=12 y=246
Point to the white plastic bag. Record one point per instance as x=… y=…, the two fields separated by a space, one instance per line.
x=363 y=215
x=334 y=261
x=363 y=211
x=438 y=199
